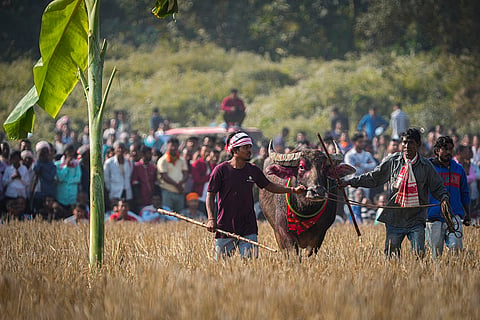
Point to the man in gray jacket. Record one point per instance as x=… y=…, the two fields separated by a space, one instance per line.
x=412 y=178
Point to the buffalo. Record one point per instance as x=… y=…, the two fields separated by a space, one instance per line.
x=301 y=221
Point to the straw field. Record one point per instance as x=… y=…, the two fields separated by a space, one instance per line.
x=167 y=271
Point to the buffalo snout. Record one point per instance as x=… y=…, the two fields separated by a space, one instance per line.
x=316 y=193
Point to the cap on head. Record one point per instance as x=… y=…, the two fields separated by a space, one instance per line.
x=40 y=145
x=26 y=154
x=192 y=196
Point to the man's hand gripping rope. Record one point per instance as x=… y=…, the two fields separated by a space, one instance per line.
x=446 y=214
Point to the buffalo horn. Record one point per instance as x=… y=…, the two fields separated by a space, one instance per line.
x=284 y=159
x=338 y=156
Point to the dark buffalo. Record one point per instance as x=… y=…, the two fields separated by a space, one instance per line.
x=311 y=168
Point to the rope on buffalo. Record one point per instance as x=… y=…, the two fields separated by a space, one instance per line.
x=334 y=197
x=452 y=225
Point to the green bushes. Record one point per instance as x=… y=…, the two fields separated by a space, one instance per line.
x=187 y=81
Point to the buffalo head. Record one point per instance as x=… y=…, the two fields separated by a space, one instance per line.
x=311 y=168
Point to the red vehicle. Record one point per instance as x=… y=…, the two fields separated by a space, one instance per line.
x=218 y=132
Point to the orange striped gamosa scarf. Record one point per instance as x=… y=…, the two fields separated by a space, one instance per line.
x=173 y=158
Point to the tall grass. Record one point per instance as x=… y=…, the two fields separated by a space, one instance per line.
x=167 y=271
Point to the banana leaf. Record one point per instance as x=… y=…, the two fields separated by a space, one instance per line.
x=64 y=49
x=164 y=8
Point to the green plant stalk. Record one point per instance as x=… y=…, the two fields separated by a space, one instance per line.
x=95 y=118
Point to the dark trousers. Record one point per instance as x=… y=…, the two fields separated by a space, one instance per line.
x=235 y=117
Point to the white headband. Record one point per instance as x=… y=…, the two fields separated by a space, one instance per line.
x=238 y=140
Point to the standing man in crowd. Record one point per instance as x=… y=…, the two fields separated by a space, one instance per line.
x=455 y=181
x=68 y=178
x=398 y=121
x=118 y=173
x=336 y=117
x=201 y=174
x=84 y=159
x=4 y=162
x=412 y=177
x=363 y=161
x=233 y=109
x=43 y=184
x=279 y=141
x=16 y=178
x=144 y=177
x=173 y=173
x=232 y=181
x=372 y=124
x=155 y=119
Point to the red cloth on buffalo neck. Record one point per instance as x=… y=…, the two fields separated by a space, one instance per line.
x=299 y=224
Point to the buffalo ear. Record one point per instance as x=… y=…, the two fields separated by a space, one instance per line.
x=342 y=169
x=280 y=171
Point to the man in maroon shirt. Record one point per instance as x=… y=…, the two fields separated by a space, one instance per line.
x=232 y=182
x=144 y=176
x=233 y=109
x=201 y=171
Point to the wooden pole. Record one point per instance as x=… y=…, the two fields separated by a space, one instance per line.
x=339 y=185
x=201 y=224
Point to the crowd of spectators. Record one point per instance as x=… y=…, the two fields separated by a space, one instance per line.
x=51 y=179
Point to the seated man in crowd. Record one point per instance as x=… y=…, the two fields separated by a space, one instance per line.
x=52 y=210
x=16 y=210
x=122 y=213
x=150 y=213
x=79 y=215
x=192 y=211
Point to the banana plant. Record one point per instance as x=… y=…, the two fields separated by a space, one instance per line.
x=71 y=51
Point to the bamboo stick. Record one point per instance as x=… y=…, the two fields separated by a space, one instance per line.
x=341 y=188
x=201 y=224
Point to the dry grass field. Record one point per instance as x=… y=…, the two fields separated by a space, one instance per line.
x=167 y=271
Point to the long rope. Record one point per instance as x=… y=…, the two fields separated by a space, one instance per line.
x=334 y=197
x=452 y=227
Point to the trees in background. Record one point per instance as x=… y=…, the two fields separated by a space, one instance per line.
x=421 y=25
x=326 y=29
